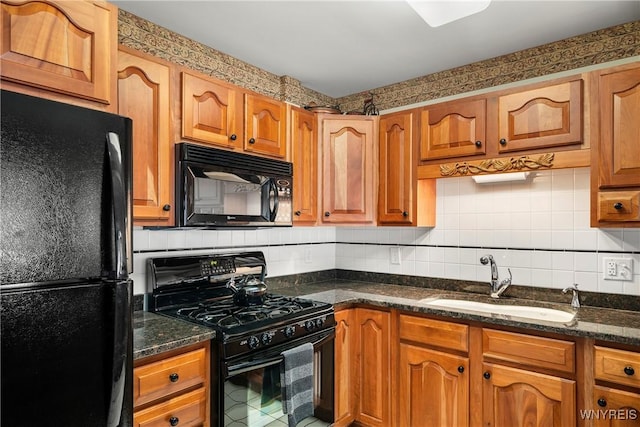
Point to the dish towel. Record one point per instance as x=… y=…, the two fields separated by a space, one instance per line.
x=297 y=386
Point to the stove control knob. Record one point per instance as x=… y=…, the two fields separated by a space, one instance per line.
x=289 y=331
x=265 y=338
x=309 y=325
x=253 y=342
x=319 y=323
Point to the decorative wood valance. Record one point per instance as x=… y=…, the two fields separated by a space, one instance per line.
x=521 y=163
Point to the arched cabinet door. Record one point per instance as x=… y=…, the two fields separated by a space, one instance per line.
x=68 y=47
x=517 y=398
x=143 y=95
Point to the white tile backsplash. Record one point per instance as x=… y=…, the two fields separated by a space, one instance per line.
x=540 y=230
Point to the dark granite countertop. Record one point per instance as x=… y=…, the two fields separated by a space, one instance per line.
x=606 y=324
x=153 y=334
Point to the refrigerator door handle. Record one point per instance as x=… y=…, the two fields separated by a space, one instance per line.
x=121 y=342
x=119 y=189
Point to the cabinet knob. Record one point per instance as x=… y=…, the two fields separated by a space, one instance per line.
x=166 y=207
x=174 y=377
x=405 y=214
x=174 y=421
x=297 y=213
x=503 y=141
x=618 y=206
x=487 y=375
x=602 y=402
x=327 y=213
x=461 y=369
x=252 y=140
x=478 y=143
x=233 y=137
x=629 y=370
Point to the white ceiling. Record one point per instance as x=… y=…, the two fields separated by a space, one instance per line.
x=343 y=47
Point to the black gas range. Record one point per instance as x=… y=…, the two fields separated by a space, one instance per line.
x=228 y=292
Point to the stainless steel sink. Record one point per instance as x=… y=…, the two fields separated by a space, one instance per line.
x=522 y=311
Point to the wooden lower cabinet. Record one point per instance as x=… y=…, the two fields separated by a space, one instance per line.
x=433 y=388
x=615 y=408
x=363 y=391
x=344 y=370
x=374 y=367
x=172 y=388
x=514 y=397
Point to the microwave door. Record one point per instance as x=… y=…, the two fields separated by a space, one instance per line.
x=217 y=197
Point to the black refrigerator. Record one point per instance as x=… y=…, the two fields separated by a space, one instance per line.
x=65 y=260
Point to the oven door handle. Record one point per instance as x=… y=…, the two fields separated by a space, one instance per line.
x=253 y=363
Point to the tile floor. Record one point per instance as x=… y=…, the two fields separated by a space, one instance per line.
x=246 y=410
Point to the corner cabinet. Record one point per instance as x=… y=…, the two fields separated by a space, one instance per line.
x=615 y=161
x=62 y=50
x=143 y=95
x=363 y=368
x=304 y=156
x=349 y=168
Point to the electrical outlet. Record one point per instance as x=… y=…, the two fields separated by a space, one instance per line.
x=394 y=255
x=618 y=269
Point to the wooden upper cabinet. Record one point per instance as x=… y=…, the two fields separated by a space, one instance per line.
x=67 y=47
x=304 y=156
x=397 y=163
x=143 y=95
x=453 y=129
x=619 y=149
x=615 y=159
x=549 y=116
x=211 y=112
x=511 y=396
x=265 y=126
x=348 y=169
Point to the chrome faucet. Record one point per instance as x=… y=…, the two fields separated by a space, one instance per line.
x=497 y=287
x=575 y=299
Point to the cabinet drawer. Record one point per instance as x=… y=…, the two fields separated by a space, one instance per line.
x=618 y=366
x=533 y=351
x=167 y=376
x=619 y=206
x=187 y=410
x=434 y=332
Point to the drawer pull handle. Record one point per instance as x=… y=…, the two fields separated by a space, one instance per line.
x=174 y=377
x=618 y=206
x=602 y=402
x=461 y=369
x=174 y=421
x=629 y=370
x=486 y=375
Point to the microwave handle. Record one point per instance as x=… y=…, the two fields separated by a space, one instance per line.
x=276 y=199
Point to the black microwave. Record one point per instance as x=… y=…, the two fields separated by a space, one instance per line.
x=219 y=188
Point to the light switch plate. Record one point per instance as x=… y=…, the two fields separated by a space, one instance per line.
x=618 y=269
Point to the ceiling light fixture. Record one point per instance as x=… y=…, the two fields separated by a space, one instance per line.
x=501 y=177
x=440 y=12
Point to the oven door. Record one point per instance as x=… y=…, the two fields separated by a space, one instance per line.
x=251 y=389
